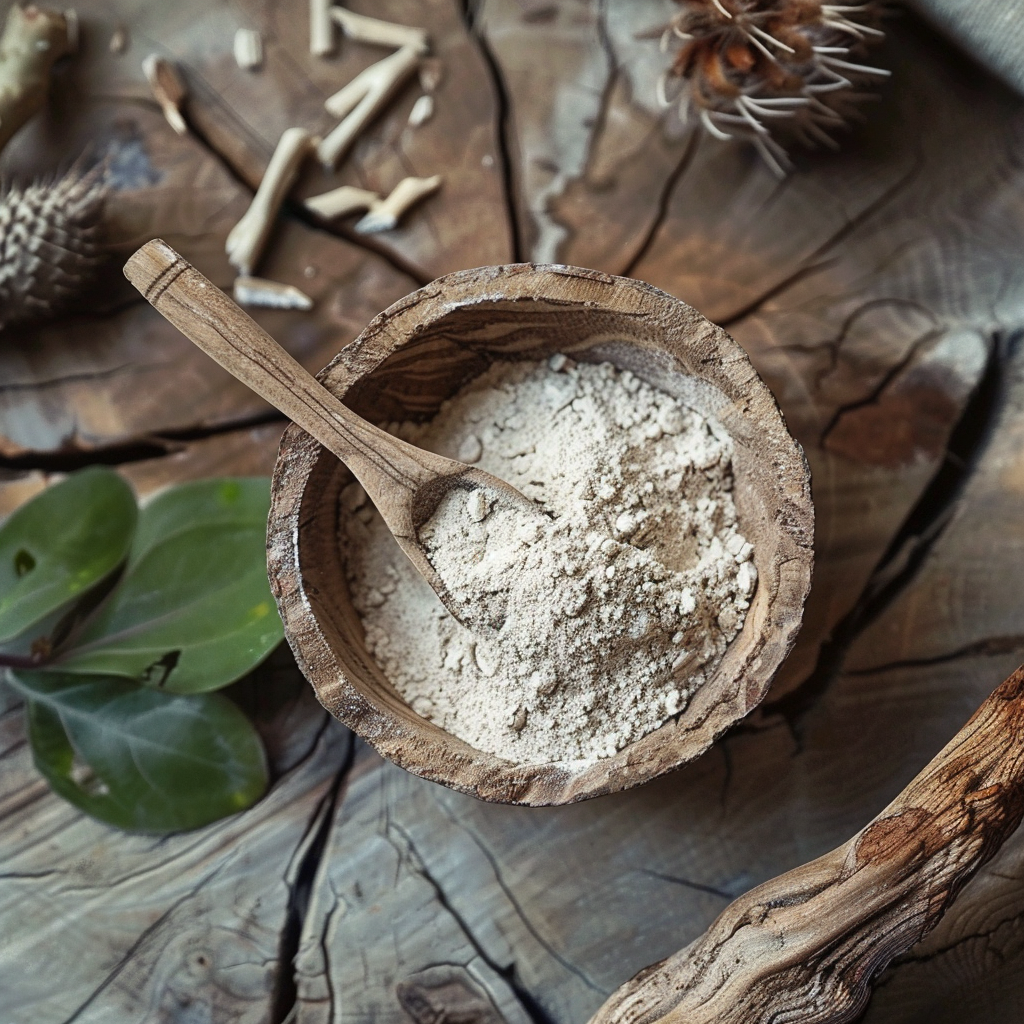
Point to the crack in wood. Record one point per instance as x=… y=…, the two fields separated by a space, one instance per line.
x=311 y=849
x=910 y=546
x=988 y=647
x=73 y=456
x=505 y=134
x=508 y=973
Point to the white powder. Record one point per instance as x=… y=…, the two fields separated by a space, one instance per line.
x=609 y=614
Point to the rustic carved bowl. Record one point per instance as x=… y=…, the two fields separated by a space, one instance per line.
x=421 y=351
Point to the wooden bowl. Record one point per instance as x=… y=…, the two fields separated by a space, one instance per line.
x=420 y=352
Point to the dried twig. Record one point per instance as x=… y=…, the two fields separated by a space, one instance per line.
x=806 y=947
x=258 y=291
x=32 y=41
x=362 y=99
x=380 y=33
x=321 y=28
x=248 y=237
x=248 y=49
x=340 y=202
x=385 y=215
x=168 y=88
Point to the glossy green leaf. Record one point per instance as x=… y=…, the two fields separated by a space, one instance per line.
x=193 y=611
x=60 y=544
x=138 y=758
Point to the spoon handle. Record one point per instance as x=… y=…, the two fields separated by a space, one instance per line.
x=205 y=315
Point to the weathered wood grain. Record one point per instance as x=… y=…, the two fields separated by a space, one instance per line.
x=138 y=928
x=868 y=290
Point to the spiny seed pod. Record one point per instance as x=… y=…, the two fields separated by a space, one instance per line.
x=50 y=245
x=765 y=70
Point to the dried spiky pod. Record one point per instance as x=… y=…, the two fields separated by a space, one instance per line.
x=770 y=71
x=50 y=245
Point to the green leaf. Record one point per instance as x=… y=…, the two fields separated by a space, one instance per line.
x=193 y=611
x=140 y=759
x=60 y=544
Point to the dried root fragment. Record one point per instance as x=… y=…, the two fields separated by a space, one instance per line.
x=770 y=71
x=380 y=33
x=31 y=42
x=321 y=28
x=119 y=40
x=50 y=245
x=386 y=214
x=808 y=946
x=248 y=49
x=249 y=236
x=340 y=202
x=168 y=88
x=259 y=291
x=422 y=111
x=362 y=99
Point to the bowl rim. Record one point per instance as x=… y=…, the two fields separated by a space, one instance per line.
x=487 y=776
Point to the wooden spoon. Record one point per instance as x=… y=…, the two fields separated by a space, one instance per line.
x=406 y=483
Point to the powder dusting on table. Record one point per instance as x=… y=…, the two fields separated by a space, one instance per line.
x=608 y=613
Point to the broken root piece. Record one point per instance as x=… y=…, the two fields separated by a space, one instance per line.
x=259 y=291
x=168 y=88
x=422 y=111
x=321 y=28
x=340 y=202
x=248 y=49
x=362 y=99
x=386 y=214
x=380 y=33
x=249 y=236
x=32 y=41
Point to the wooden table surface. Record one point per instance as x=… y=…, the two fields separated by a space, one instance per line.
x=879 y=291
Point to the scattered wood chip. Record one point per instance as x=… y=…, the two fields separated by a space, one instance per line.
x=168 y=89
x=249 y=236
x=259 y=291
x=248 y=49
x=431 y=74
x=341 y=201
x=359 y=101
x=73 y=29
x=422 y=111
x=321 y=28
x=386 y=214
x=380 y=33
x=119 y=40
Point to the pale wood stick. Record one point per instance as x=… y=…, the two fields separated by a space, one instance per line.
x=379 y=33
x=31 y=42
x=362 y=99
x=385 y=215
x=321 y=28
x=806 y=947
x=340 y=202
x=168 y=88
x=248 y=49
x=259 y=291
x=246 y=241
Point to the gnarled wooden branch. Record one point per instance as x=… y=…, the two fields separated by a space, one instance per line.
x=807 y=946
x=32 y=41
